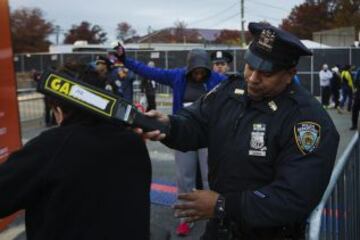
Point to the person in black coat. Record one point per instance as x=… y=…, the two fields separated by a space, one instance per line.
x=86 y=179
x=335 y=84
x=148 y=87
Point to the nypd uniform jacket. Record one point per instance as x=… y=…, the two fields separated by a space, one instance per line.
x=80 y=181
x=271 y=160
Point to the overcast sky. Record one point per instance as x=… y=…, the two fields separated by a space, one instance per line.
x=141 y=14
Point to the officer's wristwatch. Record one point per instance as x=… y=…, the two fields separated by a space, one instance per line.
x=220 y=208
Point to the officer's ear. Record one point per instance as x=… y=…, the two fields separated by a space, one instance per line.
x=59 y=114
x=291 y=73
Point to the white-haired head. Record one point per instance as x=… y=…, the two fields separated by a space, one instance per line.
x=335 y=69
x=151 y=64
x=116 y=43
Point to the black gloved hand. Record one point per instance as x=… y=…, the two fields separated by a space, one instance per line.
x=120 y=52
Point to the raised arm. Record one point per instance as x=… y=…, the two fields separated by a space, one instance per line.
x=162 y=76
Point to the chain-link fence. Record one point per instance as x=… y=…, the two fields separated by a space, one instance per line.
x=308 y=67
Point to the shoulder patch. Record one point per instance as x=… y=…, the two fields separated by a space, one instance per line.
x=307 y=136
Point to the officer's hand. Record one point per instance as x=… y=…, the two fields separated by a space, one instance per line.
x=197 y=205
x=154 y=135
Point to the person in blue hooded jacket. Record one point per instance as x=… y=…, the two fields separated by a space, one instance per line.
x=198 y=69
x=189 y=84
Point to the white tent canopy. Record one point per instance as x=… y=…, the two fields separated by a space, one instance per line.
x=311 y=44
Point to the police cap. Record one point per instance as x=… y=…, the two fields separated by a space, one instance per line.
x=221 y=56
x=273 y=49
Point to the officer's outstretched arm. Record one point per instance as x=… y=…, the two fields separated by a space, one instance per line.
x=189 y=128
x=303 y=168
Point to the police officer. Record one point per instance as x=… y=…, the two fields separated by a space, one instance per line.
x=221 y=61
x=271 y=145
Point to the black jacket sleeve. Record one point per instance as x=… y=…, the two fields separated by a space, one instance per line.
x=299 y=183
x=22 y=176
x=189 y=128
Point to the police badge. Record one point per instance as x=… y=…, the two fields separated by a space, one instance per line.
x=266 y=40
x=307 y=136
x=257 y=141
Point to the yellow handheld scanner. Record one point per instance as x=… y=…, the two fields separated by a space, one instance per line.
x=97 y=101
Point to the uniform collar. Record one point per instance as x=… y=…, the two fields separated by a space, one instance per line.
x=274 y=104
x=297 y=94
x=268 y=105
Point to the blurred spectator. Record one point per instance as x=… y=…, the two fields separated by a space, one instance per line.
x=335 y=84
x=124 y=80
x=36 y=75
x=118 y=79
x=297 y=80
x=103 y=67
x=49 y=118
x=356 y=106
x=148 y=87
x=347 y=87
x=121 y=78
x=325 y=76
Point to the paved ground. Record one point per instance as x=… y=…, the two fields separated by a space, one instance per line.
x=163 y=165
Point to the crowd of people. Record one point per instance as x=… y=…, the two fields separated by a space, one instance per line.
x=340 y=90
x=264 y=146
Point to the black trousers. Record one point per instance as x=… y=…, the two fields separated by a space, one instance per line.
x=336 y=96
x=325 y=95
x=355 y=109
x=214 y=231
x=49 y=118
x=151 y=102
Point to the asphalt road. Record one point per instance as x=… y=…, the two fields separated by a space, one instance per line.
x=162 y=221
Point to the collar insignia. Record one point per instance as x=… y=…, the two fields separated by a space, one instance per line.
x=273 y=106
x=239 y=91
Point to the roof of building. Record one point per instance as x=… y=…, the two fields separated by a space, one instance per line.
x=208 y=35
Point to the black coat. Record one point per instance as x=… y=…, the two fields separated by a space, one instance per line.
x=335 y=82
x=80 y=181
x=147 y=87
x=270 y=179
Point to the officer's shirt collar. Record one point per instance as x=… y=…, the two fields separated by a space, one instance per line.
x=267 y=105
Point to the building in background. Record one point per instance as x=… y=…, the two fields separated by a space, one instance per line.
x=339 y=37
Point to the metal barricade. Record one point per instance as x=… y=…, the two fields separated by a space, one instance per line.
x=31 y=104
x=337 y=217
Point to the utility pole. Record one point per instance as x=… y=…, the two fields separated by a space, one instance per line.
x=57 y=32
x=149 y=34
x=242 y=21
